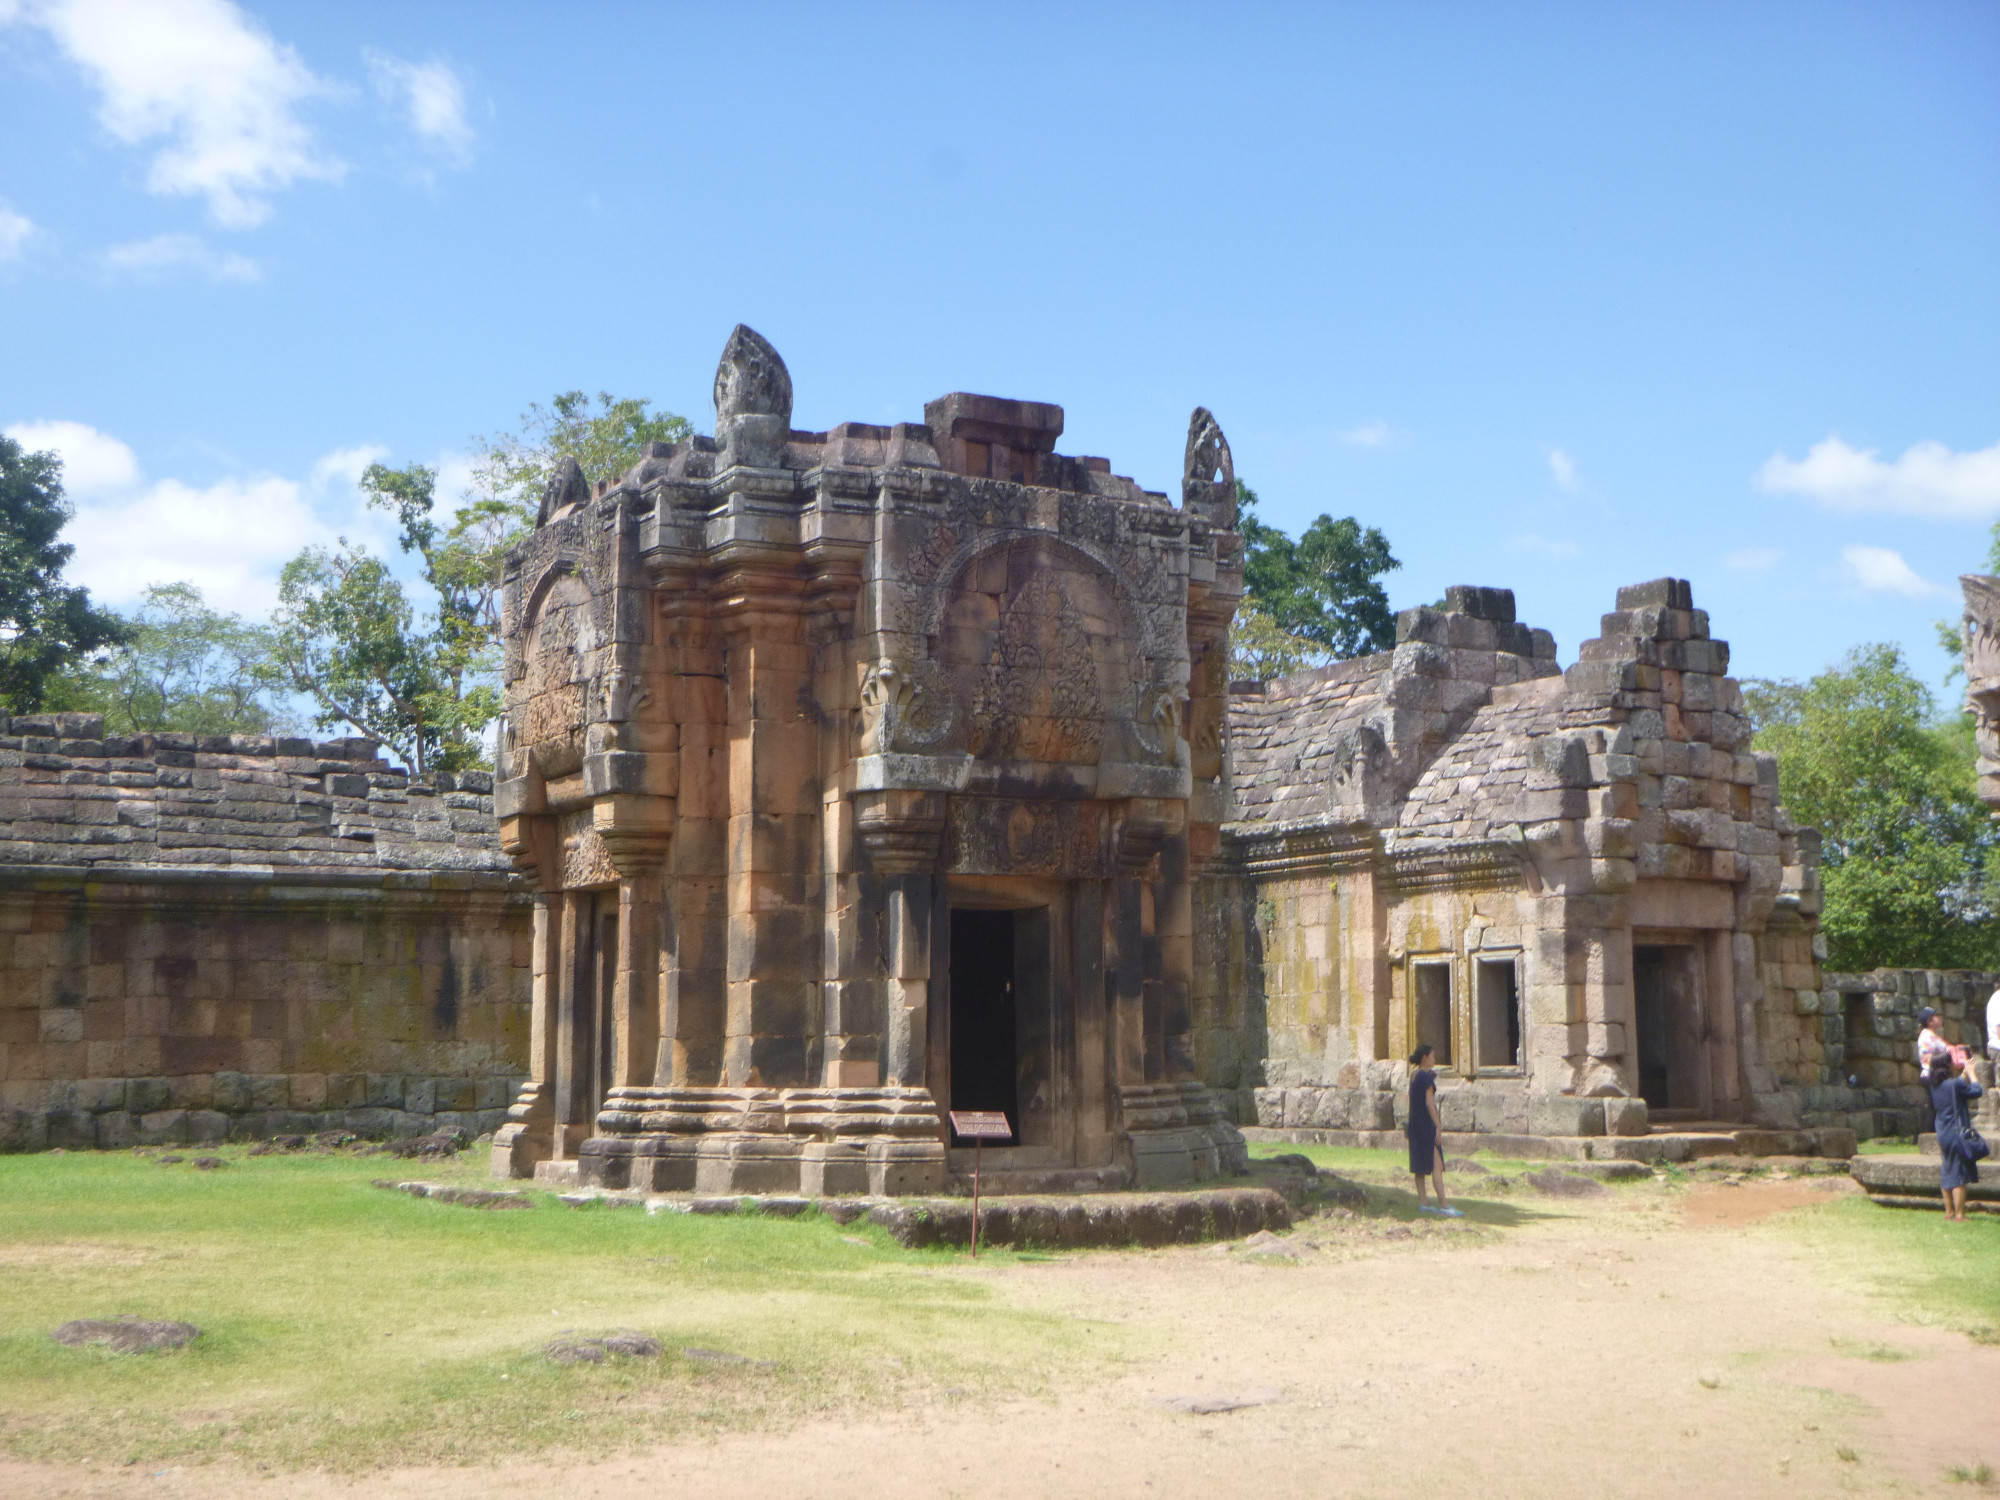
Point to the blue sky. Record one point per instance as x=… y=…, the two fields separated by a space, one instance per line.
x=1558 y=296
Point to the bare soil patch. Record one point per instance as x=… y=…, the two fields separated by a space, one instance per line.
x=1591 y=1345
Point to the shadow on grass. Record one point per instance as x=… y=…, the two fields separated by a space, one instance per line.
x=1401 y=1203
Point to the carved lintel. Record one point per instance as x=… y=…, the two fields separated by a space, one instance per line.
x=901 y=832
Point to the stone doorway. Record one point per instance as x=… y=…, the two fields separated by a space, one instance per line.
x=1667 y=1026
x=1000 y=1049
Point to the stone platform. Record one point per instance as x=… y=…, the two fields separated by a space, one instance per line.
x=1673 y=1144
x=1912 y=1182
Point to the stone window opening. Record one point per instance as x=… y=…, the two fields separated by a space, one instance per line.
x=1496 y=1021
x=1430 y=1003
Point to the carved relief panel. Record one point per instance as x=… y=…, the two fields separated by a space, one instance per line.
x=554 y=702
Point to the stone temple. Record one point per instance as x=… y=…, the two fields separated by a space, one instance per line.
x=868 y=774
x=851 y=778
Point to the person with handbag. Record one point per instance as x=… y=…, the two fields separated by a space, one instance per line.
x=1959 y=1145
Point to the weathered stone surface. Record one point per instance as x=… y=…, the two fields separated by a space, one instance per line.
x=1122 y=1219
x=785 y=710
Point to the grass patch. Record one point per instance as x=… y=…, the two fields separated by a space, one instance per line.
x=345 y=1327
x=1930 y=1271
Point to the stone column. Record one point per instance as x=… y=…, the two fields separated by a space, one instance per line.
x=526 y=1137
x=774 y=855
x=570 y=1075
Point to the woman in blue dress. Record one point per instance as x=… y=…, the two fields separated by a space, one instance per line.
x=1426 y=1155
x=1951 y=1095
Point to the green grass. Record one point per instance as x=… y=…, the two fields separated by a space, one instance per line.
x=1928 y=1270
x=344 y=1326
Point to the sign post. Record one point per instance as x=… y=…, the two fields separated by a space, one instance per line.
x=979 y=1126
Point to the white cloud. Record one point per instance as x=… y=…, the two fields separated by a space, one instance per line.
x=15 y=231
x=164 y=254
x=1881 y=570
x=1546 y=546
x=93 y=461
x=1563 y=467
x=1754 y=559
x=229 y=538
x=431 y=97
x=1370 y=435
x=1928 y=480
x=205 y=81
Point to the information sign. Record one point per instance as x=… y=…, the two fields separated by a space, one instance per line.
x=981 y=1125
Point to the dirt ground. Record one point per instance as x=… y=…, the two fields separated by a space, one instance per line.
x=1627 y=1346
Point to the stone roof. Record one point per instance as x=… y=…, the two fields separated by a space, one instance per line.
x=70 y=795
x=1283 y=735
x=1477 y=778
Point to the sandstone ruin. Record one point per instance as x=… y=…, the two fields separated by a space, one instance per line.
x=205 y=937
x=869 y=773
x=848 y=778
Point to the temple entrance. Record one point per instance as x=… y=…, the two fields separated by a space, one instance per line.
x=985 y=1014
x=586 y=1024
x=1666 y=994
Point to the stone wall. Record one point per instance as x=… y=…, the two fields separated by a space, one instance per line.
x=204 y=938
x=1852 y=1044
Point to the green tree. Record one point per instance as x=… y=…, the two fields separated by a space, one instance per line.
x=183 y=668
x=513 y=467
x=426 y=685
x=1909 y=867
x=351 y=640
x=1309 y=601
x=46 y=625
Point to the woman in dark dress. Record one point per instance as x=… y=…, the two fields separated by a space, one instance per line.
x=1426 y=1155
x=1951 y=1094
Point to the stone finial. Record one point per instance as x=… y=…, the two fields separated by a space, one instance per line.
x=752 y=380
x=753 y=400
x=1208 y=475
x=1980 y=631
x=564 y=488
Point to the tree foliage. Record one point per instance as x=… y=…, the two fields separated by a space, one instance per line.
x=513 y=467
x=1309 y=601
x=426 y=684
x=352 y=641
x=46 y=625
x=183 y=668
x=1910 y=869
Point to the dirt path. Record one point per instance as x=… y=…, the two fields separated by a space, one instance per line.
x=1635 y=1348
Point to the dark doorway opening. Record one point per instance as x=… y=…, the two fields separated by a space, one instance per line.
x=1666 y=1002
x=985 y=1031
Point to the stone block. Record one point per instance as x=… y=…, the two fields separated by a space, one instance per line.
x=1627 y=1117
x=164 y=1127
x=145 y=1096
x=420 y=1095
x=1561 y=1114
x=232 y=1093
x=206 y=1127
x=269 y=1091
x=117 y=1130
